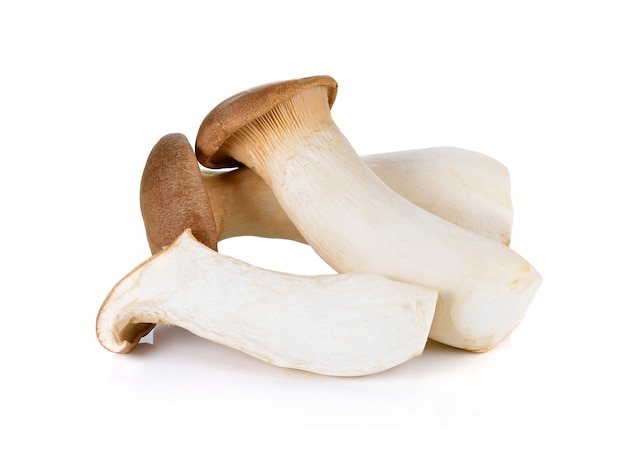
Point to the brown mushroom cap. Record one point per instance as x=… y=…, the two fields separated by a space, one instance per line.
x=173 y=197
x=243 y=108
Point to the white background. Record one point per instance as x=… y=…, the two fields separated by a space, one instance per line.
x=87 y=88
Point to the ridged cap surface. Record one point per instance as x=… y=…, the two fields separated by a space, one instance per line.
x=241 y=109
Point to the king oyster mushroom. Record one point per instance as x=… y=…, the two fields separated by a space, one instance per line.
x=234 y=203
x=338 y=324
x=285 y=133
x=341 y=324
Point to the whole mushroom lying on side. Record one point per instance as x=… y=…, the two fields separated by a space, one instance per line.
x=285 y=133
x=467 y=188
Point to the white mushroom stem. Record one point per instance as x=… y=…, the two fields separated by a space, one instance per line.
x=356 y=223
x=342 y=324
x=464 y=187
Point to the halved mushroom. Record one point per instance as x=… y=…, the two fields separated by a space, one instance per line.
x=341 y=324
x=285 y=133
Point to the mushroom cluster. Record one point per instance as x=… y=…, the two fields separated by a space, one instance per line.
x=419 y=240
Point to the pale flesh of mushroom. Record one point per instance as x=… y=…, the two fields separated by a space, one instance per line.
x=341 y=324
x=356 y=223
x=467 y=188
